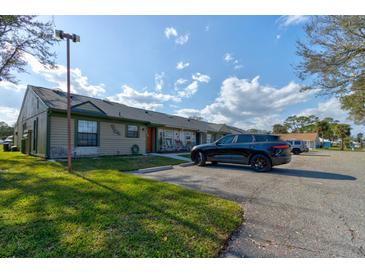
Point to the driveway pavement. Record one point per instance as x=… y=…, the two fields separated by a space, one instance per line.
x=312 y=207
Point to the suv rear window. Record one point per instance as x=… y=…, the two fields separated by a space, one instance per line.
x=244 y=139
x=297 y=142
x=266 y=138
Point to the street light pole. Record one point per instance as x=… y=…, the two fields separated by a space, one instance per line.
x=75 y=38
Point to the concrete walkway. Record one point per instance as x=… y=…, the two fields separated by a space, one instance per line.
x=171 y=155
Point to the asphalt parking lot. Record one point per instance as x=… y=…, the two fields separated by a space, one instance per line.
x=311 y=207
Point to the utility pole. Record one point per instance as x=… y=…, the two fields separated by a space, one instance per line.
x=75 y=38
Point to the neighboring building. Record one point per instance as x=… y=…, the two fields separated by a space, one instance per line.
x=102 y=127
x=311 y=139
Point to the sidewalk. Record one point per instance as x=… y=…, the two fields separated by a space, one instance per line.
x=171 y=155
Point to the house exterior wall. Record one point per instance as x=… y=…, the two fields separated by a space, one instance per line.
x=112 y=138
x=172 y=139
x=33 y=109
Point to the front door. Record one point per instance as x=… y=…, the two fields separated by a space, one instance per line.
x=149 y=147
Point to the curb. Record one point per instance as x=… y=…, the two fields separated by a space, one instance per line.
x=186 y=164
x=154 y=169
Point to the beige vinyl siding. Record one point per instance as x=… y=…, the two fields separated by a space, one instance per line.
x=32 y=108
x=58 y=136
x=113 y=140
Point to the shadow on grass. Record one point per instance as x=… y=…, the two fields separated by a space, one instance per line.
x=56 y=214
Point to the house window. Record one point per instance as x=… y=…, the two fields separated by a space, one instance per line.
x=209 y=138
x=132 y=131
x=87 y=134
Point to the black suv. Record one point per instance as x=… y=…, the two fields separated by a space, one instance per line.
x=261 y=151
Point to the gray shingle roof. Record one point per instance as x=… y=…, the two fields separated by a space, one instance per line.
x=57 y=99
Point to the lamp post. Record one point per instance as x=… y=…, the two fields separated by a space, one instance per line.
x=75 y=38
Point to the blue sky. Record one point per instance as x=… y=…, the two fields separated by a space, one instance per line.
x=231 y=69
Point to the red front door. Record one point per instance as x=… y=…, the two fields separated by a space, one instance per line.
x=149 y=139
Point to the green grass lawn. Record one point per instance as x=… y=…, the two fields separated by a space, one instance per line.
x=99 y=211
x=122 y=163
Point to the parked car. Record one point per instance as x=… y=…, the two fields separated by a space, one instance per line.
x=7 y=143
x=298 y=146
x=260 y=151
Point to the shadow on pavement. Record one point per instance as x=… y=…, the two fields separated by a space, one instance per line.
x=290 y=172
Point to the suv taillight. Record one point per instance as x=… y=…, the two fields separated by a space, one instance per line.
x=281 y=146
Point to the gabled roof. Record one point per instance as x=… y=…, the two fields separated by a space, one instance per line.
x=56 y=99
x=310 y=136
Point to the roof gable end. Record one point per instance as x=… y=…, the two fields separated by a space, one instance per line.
x=87 y=107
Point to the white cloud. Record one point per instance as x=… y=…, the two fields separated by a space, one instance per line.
x=290 y=20
x=229 y=58
x=193 y=87
x=79 y=82
x=182 y=39
x=170 y=32
x=329 y=108
x=207 y=28
x=179 y=82
x=278 y=36
x=8 y=115
x=201 y=77
x=188 y=112
x=11 y=96
x=19 y=88
x=142 y=99
x=159 y=81
x=248 y=104
x=182 y=65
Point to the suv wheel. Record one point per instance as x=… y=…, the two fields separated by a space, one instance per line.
x=260 y=163
x=200 y=159
x=296 y=151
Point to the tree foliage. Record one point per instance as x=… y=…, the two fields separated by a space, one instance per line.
x=333 y=60
x=279 y=129
x=342 y=131
x=20 y=35
x=300 y=124
x=5 y=130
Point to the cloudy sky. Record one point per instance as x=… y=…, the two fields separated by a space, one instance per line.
x=227 y=69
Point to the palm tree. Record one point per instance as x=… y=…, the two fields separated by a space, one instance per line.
x=342 y=131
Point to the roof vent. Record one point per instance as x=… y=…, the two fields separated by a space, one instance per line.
x=188 y=120
x=146 y=111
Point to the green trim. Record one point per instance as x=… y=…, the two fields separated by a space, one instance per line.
x=97 y=117
x=98 y=134
x=74 y=108
x=156 y=140
x=48 y=136
x=76 y=130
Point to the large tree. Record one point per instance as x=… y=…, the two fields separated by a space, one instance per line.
x=279 y=129
x=301 y=123
x=5 y=130
x=342 y=131
x=333 y=60
x=20 y=35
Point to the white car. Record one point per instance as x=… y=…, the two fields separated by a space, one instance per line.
x=297 y=146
